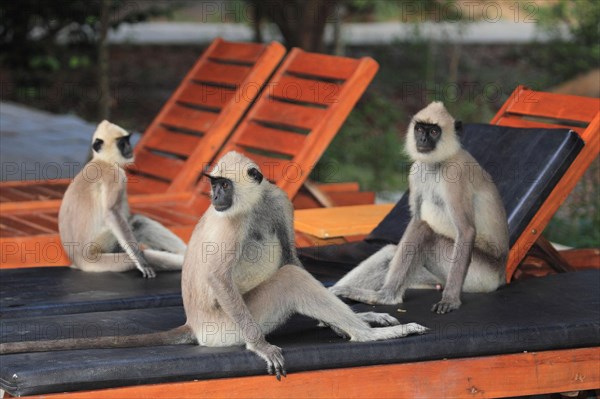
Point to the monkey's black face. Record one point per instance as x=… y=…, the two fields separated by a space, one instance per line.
x=124 y=146
x=222 y=193
x=427 y=136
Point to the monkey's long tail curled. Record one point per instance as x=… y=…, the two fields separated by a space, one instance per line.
x=177 y=336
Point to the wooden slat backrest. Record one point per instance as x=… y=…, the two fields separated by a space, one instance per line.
x=19 y=191
x=200 y=115
x=185 y=135
x=191 y=126
x=529 y=108
x=298 y=114
x=562 y=107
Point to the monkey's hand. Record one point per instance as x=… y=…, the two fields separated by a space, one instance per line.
x=446 y=305
x=363 y=295
x=142 y=264
x=272 y=355
x=379 y=319
x=344 y=291
x=336 y=330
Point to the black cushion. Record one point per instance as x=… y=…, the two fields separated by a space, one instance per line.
x=61 y=290
x=525 y=164
x=554 y=312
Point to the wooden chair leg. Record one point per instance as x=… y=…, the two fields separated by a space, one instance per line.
x=544 y=250
x=318 y=194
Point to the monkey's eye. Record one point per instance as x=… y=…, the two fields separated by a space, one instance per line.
x=419 y=129
x=435 y=132
x=225 y=185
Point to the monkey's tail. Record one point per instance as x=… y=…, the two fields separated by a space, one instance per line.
x=162 y=260
x=178 y=336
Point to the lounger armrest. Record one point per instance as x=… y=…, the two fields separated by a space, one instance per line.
x=340 y=221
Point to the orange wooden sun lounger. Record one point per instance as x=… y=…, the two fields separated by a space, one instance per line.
x=189 y=129
x=286 y=131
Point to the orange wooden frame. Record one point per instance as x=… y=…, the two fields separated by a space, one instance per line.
x=529 y=108
x=478 y=377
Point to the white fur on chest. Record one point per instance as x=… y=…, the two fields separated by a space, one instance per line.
x=258 y=262
x=429 y=188
x=438 y=219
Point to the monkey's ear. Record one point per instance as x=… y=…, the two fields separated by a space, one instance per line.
x=458 y=126
x=97 y=145
x=212 y=178
x=255 y=175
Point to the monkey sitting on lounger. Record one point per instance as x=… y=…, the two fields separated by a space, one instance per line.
x=458 y=234
x=95 y=225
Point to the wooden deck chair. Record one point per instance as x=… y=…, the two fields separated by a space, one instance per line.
x=524 y=108
x=189 y=129
x=286 y=131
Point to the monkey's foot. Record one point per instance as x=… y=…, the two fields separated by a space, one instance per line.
x=414 y=328
x=445 y=306
x=380 y=319
x=272 y=355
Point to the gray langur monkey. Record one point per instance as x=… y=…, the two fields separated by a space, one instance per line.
x=96 y=228
x=242 y=278
x=458 y=234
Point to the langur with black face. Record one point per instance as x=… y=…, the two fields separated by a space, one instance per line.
x=96 y=228
x=242 y=273
x=458 y=234
x=242 y=278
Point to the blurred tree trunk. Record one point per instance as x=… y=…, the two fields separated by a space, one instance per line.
x=301 y=22
x=258 y=22
x=103 y=78
x=338 y=39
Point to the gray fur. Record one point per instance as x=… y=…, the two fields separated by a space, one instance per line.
x=458 y=232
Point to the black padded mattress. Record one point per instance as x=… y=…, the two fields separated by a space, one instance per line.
x=554 y=312
x=62 y=290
